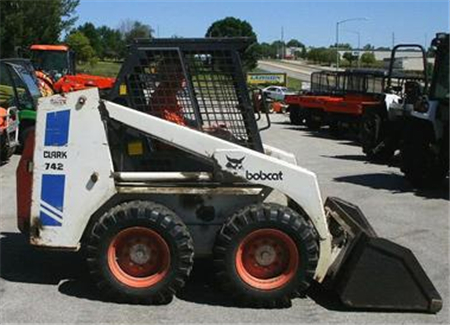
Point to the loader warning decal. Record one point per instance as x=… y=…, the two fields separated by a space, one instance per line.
x=52 y=200
x=57 y=128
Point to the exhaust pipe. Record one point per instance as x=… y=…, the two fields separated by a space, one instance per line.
x=373 y=273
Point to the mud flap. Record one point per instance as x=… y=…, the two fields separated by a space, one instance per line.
x=373 y=273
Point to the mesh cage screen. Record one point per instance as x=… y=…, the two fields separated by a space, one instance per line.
x=197 y=88
x=325 y=82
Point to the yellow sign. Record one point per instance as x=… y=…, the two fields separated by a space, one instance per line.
x=278 y=79
x=123 y=89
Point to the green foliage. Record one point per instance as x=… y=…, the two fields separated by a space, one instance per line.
x=295 y=43
x=79 y=43
x=342 y=46
x=113 y=46
x=132 y=29
x=322 y=55
x=233 y=27
x=349 y=57
x=89 y=30
x=368 y=58
x=266 y=50
x=368 y=47
x=31 y=22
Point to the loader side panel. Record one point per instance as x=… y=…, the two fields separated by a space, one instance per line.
x=71 y=168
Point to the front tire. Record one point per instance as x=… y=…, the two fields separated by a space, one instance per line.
x=265 y=255
x=140 y=252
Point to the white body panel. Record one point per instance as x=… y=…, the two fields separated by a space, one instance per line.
x=65 y=163
x=395 y=107
x=86 y=155
x=296 y=182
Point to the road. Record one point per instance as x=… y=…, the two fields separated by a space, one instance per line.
x=294 y=69
x=53 y=287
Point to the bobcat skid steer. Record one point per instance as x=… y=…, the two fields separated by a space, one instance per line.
x=172 y=167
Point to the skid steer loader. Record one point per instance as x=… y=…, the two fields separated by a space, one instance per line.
x=172 y=167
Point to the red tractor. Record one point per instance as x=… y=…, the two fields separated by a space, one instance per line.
x=55 y=66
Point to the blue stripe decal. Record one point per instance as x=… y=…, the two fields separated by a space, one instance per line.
x=52 y=193
x=46 y=220
x=57 y=128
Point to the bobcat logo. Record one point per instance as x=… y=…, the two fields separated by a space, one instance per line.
x=235 y=164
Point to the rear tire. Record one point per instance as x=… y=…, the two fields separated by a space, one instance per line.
x=314 y=120
x=373 y=137
x=140 y=252
x=295 y=115
x=5 y=151
x=422 y=165
x=266 y=254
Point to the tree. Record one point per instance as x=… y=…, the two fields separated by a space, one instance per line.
x=322 y=55
x=89 y=30
x=26 y=22
x=368 y=58
x=342 y=46
x=113 y=45
x=280 y=48
x=80 y=44
x=132 y=29
x=349 y=57
x=233 y=27
x=368 y=47
x=295 y=43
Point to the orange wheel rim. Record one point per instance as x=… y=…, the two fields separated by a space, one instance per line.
x=139 y=257
x=267 y=259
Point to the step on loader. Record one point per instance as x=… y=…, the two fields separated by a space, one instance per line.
x=172 y=167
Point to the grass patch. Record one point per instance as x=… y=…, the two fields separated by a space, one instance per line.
x=293 y=83
x=101 y=68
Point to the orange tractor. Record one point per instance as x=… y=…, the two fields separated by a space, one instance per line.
x=56 y=71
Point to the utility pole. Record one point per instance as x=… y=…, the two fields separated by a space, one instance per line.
x=393 y=39
x=282 y=43
x=337 y=35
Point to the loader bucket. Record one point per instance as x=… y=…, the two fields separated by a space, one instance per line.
x=373 y=273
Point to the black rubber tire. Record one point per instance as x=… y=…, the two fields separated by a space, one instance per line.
x=314 y=120
x=263 y=216
x=422 y=166
x=335 y=129
x=3 y=150
x=375 y=144
x=295 y=115
x=157 y=218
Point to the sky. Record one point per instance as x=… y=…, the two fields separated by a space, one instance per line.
x=311 y=22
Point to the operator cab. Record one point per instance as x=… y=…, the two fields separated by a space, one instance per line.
x=54 y=60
